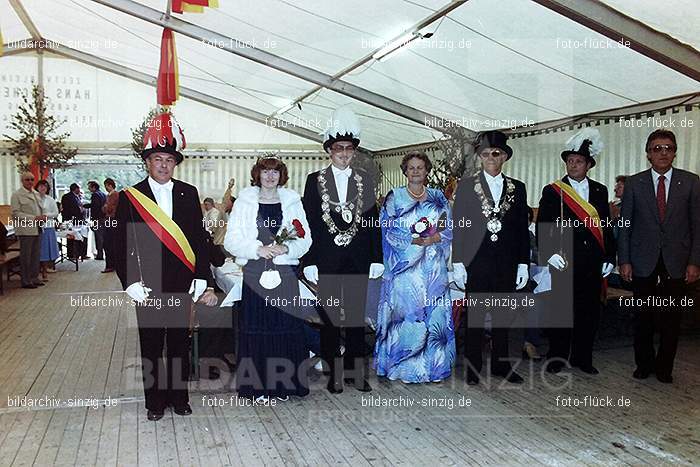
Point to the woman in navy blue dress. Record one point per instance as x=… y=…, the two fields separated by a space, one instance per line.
x=272 y=358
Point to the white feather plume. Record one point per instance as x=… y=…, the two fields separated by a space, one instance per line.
x=343 y=121
x=574 y=143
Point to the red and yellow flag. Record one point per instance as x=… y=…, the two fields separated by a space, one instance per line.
x=168 y=85
x=584 y=210
x=193 y=6
x=167 y=231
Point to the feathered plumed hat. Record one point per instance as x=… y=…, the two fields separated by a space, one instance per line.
x=343 y=126
x=163 y=134
x=586 y=142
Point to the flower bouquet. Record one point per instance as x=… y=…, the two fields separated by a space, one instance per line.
x=270 y=279
x=423 y=228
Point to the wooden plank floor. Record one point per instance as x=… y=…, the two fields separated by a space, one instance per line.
x=59 y=352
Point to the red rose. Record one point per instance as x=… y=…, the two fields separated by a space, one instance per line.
x=299 y=228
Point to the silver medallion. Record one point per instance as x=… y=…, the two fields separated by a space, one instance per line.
x=347 y=215
x=493 y=226
x=342 y=239
x=494 y=237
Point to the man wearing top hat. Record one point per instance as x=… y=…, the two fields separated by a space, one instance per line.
x=491 y=250
x=575 y=237
x=344 y=221
x=163 y=264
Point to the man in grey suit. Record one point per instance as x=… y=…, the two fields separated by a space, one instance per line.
x=28 y=222
x=659 y=251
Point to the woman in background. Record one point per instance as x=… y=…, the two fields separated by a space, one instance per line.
x=415 y=334
x=49 y=243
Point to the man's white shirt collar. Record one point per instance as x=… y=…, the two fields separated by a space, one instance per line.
x=155 y=186
x=583 y=183
x=336 y=171
x=489 y=178
x=667 y=180
x=581 y=187
x=495 y=186
x=163 y=194
x=656 y=175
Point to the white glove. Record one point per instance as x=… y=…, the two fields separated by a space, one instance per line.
x=376 y=270
x=607 y=269
x=523 y=276
x=198 y=287
x=557 y=262
x=137 y=291
x=459 y=274
x=311 y=274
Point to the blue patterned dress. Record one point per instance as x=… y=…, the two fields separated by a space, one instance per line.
x=415 y=334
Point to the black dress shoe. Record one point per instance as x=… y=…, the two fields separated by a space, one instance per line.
x=668 y=379
x=155 y=415
x=183 y=410
x=334 y=388
x=640 y=374
x=29 y=286
x=555 y=367
x=472 y=379
x=511 y=377
x=590 y=369
x=362 y=387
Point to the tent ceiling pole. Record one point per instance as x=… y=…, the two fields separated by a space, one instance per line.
x=284 y=65
x=197 y=96
x=16 y=47
x=26 y=19
x=609 y=22
x=439 y=14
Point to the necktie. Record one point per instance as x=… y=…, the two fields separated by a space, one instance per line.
x=661 y=197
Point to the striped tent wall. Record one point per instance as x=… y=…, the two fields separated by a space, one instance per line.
x=9 y=178
x=537 y=162
x=210 y=174
x=536 y=158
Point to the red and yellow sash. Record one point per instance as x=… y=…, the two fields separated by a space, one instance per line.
x=584 y=210
x=162 y=226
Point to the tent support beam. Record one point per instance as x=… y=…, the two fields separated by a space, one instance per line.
x=439 y=14
x=214 y=39
x=18 y=47
x=617 y=26
x=197 y=96
x=25 y=19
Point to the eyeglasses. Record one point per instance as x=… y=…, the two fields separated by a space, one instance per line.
x=341 y=149
x=493 y=153
x=28 y=179
x=663 y=147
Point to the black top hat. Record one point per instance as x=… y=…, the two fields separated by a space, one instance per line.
x=338 y=137
x=493 y=139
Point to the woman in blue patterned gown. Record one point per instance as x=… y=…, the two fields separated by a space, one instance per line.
x=415 y=334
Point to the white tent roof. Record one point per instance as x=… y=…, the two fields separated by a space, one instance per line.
x=487 y=63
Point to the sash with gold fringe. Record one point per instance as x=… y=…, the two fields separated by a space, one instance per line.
x=167 y=231
x=584 y=210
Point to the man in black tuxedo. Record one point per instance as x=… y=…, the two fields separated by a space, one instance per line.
x=344 y=221
x=161 y=247
x=97 y=217
x=573 y=222
x=491 y=238
x=72 y=210
x=659 y=250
